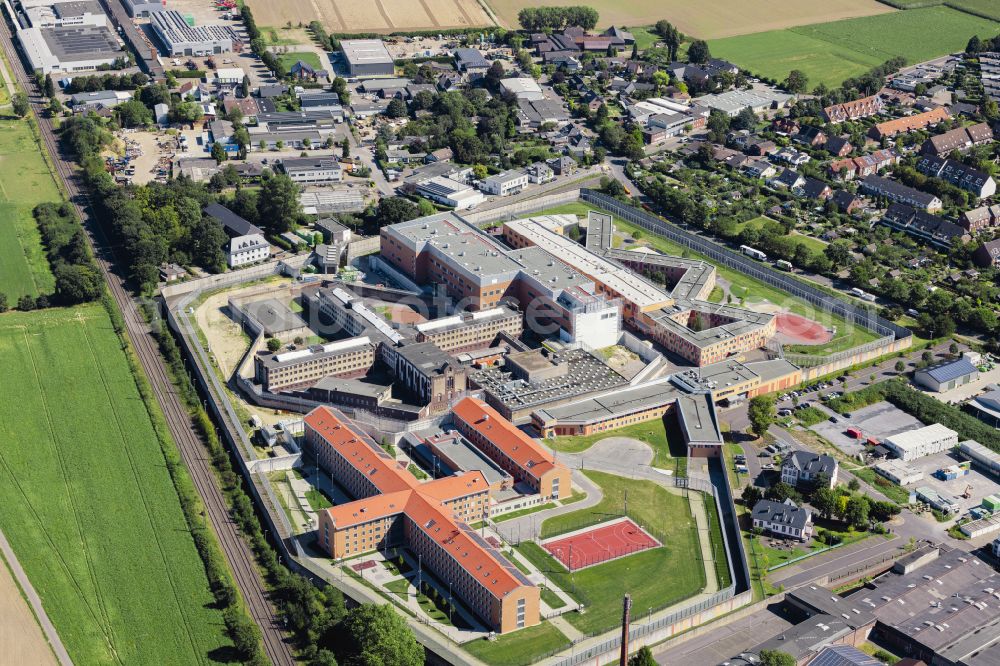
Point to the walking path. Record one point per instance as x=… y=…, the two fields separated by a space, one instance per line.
x=21 y=648
x=700 y=512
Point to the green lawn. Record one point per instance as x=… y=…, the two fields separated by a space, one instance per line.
x=894 y=492
x=651 y=432
x=830 y=52
x=25 y=181
x=552 y=599
x=519 y=648
x=644 y=37
x=317 y=500
x=666 y=515
x=308 y=57
x=88 y=505
x=808 y=416
x=981 y=7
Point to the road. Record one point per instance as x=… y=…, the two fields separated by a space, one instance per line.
x=237 y=552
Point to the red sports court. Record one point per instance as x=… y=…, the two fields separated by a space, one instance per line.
x=600 y=544
x=799 y=330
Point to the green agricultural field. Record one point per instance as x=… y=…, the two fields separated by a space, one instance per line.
x=88 y=505
x=830 y=52
x=25 y=181
x=988 y=8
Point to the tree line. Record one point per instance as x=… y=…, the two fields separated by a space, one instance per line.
x=538 y=19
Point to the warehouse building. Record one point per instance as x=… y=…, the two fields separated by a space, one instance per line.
x=981 y=456
x=921 y=442
x=899 y=472
x=181 y=39
x=367 y=57
x=312 y=170
x=431 y=519
x=946 y=375
x=143 y=8
x=64 y=48
x=448 y=192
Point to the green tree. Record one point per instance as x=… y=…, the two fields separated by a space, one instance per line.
x=273 y=344
x=671 y=37
x=278 y=206
x=19 y=104
x=856 y=512
x=698 y=52
x=392 y=210
x=644 y=657
x=780 y=491
x=825 y=501
x=776 y=658
x=796 y=82
x=345 y=148
x=900 y=366
x=761 y=413
x=4 y=305
x=751 y=495
x=378 y=636
x=77 y=283
x=396 y=108
x=218 y=153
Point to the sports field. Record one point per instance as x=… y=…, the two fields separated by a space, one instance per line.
x=88 y=504
x=665 y=515
x=710 y=19
x=377 y=16
x=830 y=52
x=25 y=181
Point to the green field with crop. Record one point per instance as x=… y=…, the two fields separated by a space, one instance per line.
x=830 y=52
x=88 y=504
x=988 y=8
x=25 y=181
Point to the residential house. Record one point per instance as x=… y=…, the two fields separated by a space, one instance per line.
x=561 y=166
x=960 y=139
x=988 y=254
x=439 y=155
x=855 y=110
x=838 y=146
x=922 y=225
x=814 y=188
x=846 y=202
x=625 y=36
x=811 y=136
x=788 y=179
x=971 y=180
x=891 y=128
x=866 y=165
x=759 y=169
x=804 y=468
x=471 y=62
x=539 y=173
x=783 y=519
x=977 y=219
x=247 y=244
x=896 y=191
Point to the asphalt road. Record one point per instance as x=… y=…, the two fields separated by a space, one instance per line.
x=238 y=554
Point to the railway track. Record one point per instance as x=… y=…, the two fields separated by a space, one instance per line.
x=237 y=552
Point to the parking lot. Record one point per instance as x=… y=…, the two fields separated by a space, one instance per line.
x=880 y=420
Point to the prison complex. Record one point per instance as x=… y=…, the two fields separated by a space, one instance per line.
x=394 y=509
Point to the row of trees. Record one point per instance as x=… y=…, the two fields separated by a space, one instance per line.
x=95 y=82
x=78 y=279
x=538 y=19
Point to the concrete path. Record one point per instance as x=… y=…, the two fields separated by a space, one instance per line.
x=700 y=512
x=36 y=606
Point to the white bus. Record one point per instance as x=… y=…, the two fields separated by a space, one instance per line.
x=783 y=265
x=751 y=252
x=863 y=295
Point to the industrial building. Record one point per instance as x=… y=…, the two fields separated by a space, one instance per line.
x=392 y=509
x=449 y=192
x=946 y=375
x=63 y=48
x=899 y=472
x=144 y=8
x=181 y=39
x=312 y=170
x=367 y=57
x=981 y=456
x=921 y=442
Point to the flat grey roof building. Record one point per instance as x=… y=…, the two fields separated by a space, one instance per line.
x=182 y=39
x=69 y=48
x=367 y=57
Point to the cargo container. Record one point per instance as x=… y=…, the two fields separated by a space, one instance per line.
x=854 y=432
x=991 y=503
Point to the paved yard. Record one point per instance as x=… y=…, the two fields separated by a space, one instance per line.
x=879 y=420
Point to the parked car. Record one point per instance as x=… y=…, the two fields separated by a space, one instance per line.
x=833 y=419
